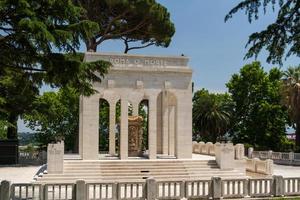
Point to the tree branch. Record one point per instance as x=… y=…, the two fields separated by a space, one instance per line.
x=117 y=35
x=140 y=47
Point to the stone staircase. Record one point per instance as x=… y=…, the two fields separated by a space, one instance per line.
x=137 y=170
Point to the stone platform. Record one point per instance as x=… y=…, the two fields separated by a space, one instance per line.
x=200 y=167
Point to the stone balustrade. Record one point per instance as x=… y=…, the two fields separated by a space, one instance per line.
x=256 y=165
x=151 y=189
x=210 y=149
x=286 y=158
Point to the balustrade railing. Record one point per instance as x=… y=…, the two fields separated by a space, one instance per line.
x=59 y=191
x=290 y=158
x=97 y=191
x=26 y=191
x=198 y=189
x=151 y=189
x=234 y=188
x=291 y=186
x=210 y=149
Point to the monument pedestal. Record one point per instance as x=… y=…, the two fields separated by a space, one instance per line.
x=135 y=136
x=55 y=158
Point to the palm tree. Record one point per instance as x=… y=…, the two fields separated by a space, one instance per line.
x=211 y=114
x=292 y=98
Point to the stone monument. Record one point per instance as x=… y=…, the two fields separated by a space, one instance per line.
x=135 y=136
x=165 y=82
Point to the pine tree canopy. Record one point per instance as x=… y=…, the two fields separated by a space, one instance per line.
x=280 y=38
x=32 y=32
x=143 y=21
x=38 y=43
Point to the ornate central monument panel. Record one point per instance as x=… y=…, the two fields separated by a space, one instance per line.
x=165 y=82
x=135 y=136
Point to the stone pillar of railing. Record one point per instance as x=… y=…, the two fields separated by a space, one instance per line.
x=225 y=155
x=201 y=146
x=269 y=167
x=80 y=190
x=55 y=158
x=270 y=153
x=250 y=151
x=5 y=190
x=194 y=146
x=151 y=189
x=210 y=148
x=278 y=186
x=239 y=151
x=216 y=187
x=291 y=156
x=197 y=148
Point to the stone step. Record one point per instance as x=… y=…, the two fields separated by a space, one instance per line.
x=133 y=176
x=138 y=171
x=114 y=178
x=96 y=171
x=139 y=164
x=132 y=173
x=138 y=167
x=143 y=162
x=132 y=179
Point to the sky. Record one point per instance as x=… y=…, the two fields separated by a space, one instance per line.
x=216 y=49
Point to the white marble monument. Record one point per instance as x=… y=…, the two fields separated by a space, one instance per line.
x=166 y=82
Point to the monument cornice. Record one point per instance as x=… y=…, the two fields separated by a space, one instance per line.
x=140 y=62
x=151 y=70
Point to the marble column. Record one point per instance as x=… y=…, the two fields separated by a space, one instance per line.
x=135 y=108
x=165 y=123
x=152 y=140
x=124 y=129
x=172 y=130
x=89 y=127
x=112 y=127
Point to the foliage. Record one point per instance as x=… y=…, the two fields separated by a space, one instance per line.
x=38 y=40
x=280 y=38
x=27 y=138
x=103 y=125
x=259 y=117
x=55 y=117
x=143 y=112
x=132 y=21
x=3 y=130
x=35 y=30
x=211 y=115
x=291 y=97
x=18 y=92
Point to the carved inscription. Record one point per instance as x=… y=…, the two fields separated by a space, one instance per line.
x=138 y=62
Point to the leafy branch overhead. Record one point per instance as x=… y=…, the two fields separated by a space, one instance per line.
x=280 y=38
x=35 y=31
x=133 y=21
x=38 y=42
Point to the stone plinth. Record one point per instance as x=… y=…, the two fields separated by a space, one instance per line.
x=135 y=136
x=225 y=155
x=239 y=151
x=55 y=158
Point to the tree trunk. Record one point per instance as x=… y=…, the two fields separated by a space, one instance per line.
x=12 y=128
x=297 y=136
x=91 y=45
